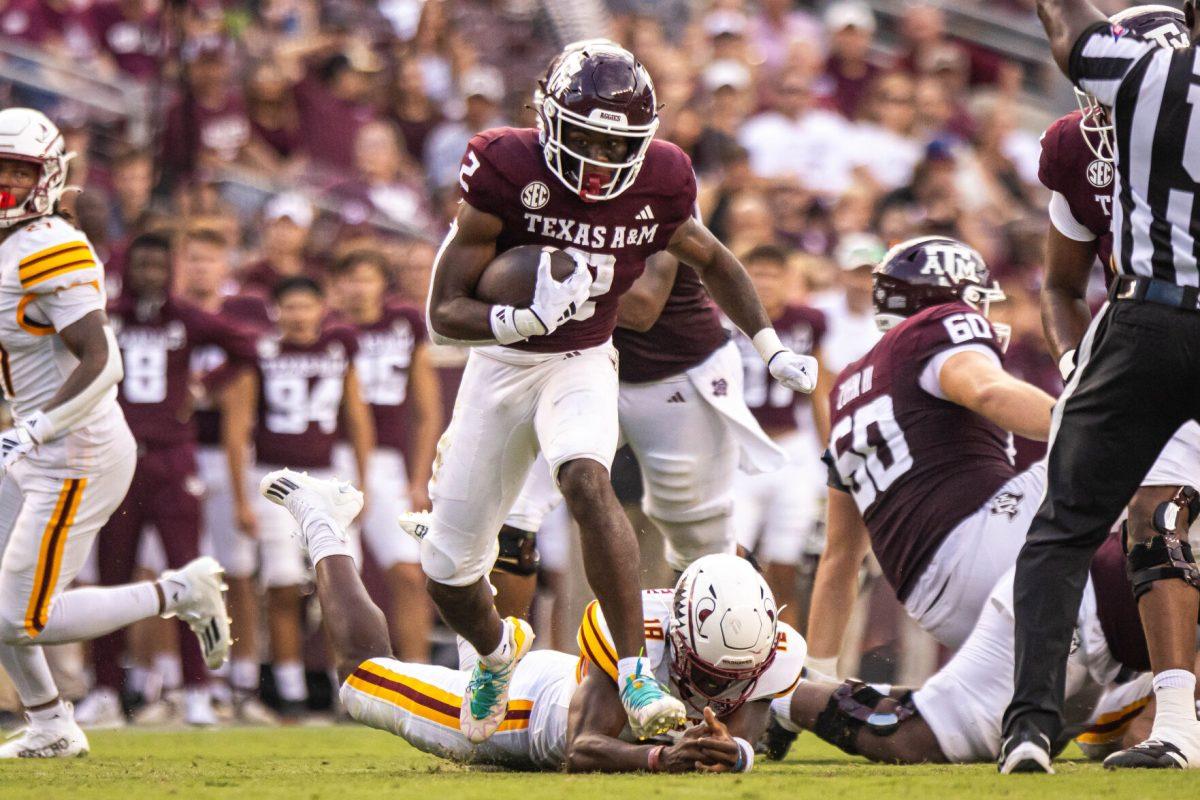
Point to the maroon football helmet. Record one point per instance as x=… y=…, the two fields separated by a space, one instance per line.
x=929 y=271
x=1163 y=25
x=596 y=85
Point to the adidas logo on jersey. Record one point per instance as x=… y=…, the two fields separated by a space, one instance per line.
x=645 y=213
x=676 y=398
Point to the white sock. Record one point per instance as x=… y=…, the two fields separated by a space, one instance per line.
x=627 y=667
x=322 y=537
x=500 y=657
x=781 y=712
x=290 y=684
x=168 y=668
x=243 y=674
x=1175 y=697
x=138 y=676
x=93 y=611
x=55 y=713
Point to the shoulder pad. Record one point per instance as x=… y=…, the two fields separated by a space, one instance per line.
x=784 y=673
x=1056 y=144
x=944 y=326
x=52 y=254
x=595 y=642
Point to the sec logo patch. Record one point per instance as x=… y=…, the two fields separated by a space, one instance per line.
x=1099 y=173
x=535 y=195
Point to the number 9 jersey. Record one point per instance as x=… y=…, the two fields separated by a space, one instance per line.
x=916 y=464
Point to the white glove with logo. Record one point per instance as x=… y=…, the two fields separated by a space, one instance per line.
x=796 y=372
x=15 y=444
x=555 y=302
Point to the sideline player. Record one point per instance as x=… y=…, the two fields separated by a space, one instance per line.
x=69 y=459
x=1077 y=166
x=956 y=715
x=922 y=469
x=157 y=333
x=593 y=181
x=400 y=385
x=305 y=381
x=715 y=640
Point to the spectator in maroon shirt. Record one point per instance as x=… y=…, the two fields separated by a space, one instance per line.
x=287 y=220
x=274 y=116
x=132 y=184
x=924 y=38
x=412 y=109
x=848 y=71
x=334 y=101
x=35 y=22
x=386 y=183
x=129 y=32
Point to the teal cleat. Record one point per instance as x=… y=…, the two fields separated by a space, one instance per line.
x=651 y=708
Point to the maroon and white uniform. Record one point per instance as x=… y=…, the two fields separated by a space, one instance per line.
x=935 y=483
x=1081 y=209
x=1108 y=682
x=157 y=343
x=385 y=354
x=299 y=400
x=776 y=511
x=554 y=394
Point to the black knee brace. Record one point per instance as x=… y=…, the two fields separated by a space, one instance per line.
x=856 y=704
x=1166 y=556
x=518 y=552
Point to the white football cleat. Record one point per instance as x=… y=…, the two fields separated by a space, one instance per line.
x=198 y=708
x=100 y=710
x=416 y=523
x=60 y=737
x=202 y=607
x=301 y=493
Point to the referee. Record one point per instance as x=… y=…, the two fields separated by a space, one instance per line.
x=1136 y=380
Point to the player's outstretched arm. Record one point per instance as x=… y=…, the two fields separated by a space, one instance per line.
x=360 y=425
x=596 y=720
x=640 y=307
x=1065 y=21
x=426 y=396
x=454 y=315
x=975 y=381
x=730 y=286
x=1065 y=312
x=237 y=401
x=835 y=586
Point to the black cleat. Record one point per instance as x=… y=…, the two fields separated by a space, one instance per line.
x=775 y=742
x=1150 y=754
x=1025 y=752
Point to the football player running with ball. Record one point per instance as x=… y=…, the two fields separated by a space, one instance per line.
x=592 y=181
x=69 y=459
x=714 y=642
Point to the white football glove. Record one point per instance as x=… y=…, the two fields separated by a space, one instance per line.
x=555 y=302
x=15 y=444
x=796 y=372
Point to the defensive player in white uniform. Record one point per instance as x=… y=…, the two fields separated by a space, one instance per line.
x=69 y=459
x=715 y=640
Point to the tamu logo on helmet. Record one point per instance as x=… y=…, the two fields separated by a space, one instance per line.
x=955 y=263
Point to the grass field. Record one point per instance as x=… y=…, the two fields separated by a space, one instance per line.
x=351 y=763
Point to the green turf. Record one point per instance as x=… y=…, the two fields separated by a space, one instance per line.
x=351 y=763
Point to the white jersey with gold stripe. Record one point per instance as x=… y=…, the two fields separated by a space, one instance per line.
x=50 y=277
x=596 y=649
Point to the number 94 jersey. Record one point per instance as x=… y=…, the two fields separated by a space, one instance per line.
x=916 y=464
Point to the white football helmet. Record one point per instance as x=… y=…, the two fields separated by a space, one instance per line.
x=27 y=135
x=723 y=632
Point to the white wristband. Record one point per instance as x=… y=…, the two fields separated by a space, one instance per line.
x=511 y=325
x=1066 y=364
x=746 y=762
x=767 y=343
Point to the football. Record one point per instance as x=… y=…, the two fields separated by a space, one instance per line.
x=511 y=277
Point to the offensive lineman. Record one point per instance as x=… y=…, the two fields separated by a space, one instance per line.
x=592 y=180
x=922 y=470
x=715 y=640
x=1077 y=166
x=69 y=459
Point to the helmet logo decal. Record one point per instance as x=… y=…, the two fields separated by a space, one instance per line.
x=1099 y=173
x=951 y=263
x=535 y=195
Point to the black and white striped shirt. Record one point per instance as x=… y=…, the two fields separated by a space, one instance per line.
x=1153 y=92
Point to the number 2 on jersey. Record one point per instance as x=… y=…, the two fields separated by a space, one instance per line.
x=876 y=453
x=604 y=266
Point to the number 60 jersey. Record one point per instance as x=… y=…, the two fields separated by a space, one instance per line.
x=916 y=464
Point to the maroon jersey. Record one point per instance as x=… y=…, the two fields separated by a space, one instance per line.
x=385 y=353
x=300 y=396
x=261 y=277
x=245 y=310
x=916 y=465
x=1069 y=167
x=504 y=174
x=1116 y=607
x=156 y=347
x=687 y=332
x=774 y=405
